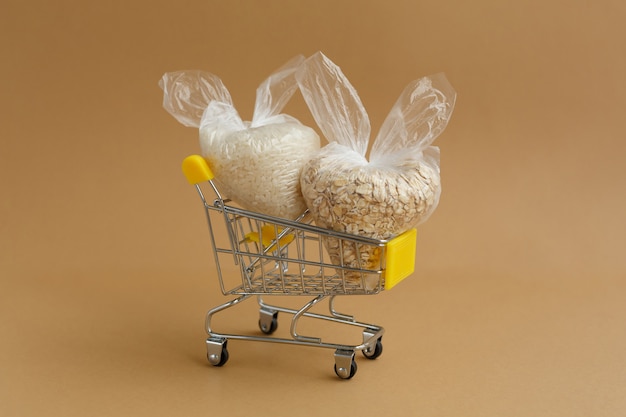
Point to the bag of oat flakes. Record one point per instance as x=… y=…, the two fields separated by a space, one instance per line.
x=393 y=189
x=256 y=163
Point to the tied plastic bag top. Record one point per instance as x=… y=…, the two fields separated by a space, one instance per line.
x=256 y=163
x=399 y=186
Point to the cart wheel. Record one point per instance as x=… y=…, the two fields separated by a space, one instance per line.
x=345 y=365
x=268 y=323
x=217 y=353
x=219 y=360
x=375 y=351
x=344 y=373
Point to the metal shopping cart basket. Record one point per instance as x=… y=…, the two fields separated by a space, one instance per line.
x=285 y=257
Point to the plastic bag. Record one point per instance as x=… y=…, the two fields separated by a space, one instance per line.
x=394 y=190
x=256 y=163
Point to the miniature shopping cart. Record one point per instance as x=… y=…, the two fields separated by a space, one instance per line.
x=285 y=257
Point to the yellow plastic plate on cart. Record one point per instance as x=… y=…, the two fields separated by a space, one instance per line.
x=400 y=260
x=196 y=169
x=269 y=236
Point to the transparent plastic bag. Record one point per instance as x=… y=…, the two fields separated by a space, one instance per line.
x=398 y=186
x=256 y=163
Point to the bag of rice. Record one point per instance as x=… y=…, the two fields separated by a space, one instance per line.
x=394 y=190
x=256 y=163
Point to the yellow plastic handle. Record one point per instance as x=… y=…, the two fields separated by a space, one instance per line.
x=196 y=169
x=400 y=261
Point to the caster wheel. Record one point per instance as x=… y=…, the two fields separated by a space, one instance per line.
x=374 y=351
x=217 y=354
x=344 y=373
x=268 y=323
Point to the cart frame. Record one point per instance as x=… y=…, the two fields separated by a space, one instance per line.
x=289 y=258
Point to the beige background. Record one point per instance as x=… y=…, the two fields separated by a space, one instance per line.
x=517 y=306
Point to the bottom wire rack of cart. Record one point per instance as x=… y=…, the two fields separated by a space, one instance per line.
x=283 y=257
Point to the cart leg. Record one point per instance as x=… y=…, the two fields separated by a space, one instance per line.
x=215 y=310
x=345 y=365
x=217 y=354
x=335 y=313
x=300 y=313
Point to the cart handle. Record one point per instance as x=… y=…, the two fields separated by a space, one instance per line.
x=196 y=169
x=400 y=259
